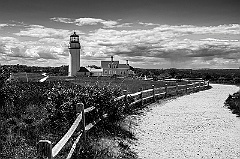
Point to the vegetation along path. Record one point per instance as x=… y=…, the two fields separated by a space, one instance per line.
x=192 y=126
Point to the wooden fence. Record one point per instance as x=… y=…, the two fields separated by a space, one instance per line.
x=45 y=149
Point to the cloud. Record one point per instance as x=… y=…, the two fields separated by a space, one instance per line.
x=123 y=25
x=95 y=21
x=47 y=53
x=47 y=44
x=43 y=32
x=105 y=23
x=92 y=21
x=12 y=47
x=2 y=48
x=219 y=40
x=159 y=45
x=164 y=43
x=109 y=23
x=211 y=51
x=62 y=20
x=190 y=29
x=3 y=25
x=7 y=25
x=148 y=24
x=52 y=40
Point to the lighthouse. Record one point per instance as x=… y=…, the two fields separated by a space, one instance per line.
x=74 y=55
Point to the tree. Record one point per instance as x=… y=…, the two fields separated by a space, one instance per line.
x=172 y=72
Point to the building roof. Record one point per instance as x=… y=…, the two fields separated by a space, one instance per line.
x=123 y=66
x=104 y=64
x=83 y=69
x=96 y=70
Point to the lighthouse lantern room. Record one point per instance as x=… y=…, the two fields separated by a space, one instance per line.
x=74 y=55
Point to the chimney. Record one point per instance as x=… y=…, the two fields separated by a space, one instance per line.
x=126 y=62
x=111 y=59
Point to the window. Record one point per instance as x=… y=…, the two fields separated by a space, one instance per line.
x=114 y=72
x=110 y=72
x=106 y=71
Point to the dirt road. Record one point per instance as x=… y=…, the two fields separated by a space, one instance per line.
x=192 y=126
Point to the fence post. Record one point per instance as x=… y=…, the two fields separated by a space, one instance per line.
x=166 y=90
x=125 y=98
x=186 y=88
x=141 y=96
x=44 y=149
x=176 y=88
x=153 y=93
x=80 y=109
x=193 y=87
x=208 y=83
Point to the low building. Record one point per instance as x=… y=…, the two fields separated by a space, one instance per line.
x=83 y=72
x=96 y=72
x=112 y=67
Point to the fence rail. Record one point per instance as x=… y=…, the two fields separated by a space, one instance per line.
x=45 y=149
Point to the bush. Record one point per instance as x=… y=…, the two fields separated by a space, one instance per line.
x=31 y=110
x=233 y=102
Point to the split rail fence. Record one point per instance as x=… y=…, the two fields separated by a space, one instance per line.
x=45 y=149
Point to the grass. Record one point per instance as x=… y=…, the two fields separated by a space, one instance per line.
x=22 y=76
x=129 y=84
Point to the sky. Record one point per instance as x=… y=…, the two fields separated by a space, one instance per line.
x=148 y=33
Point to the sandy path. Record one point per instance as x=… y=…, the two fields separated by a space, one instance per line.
x=192 y=126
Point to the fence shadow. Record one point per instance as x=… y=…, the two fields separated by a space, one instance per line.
x=108 y=140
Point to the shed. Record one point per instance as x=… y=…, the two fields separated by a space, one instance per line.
x=83 y=72
x=96 y=72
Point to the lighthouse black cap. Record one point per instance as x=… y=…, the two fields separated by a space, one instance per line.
x=74 y=35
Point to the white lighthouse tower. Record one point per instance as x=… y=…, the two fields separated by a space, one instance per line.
x=74 y=55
